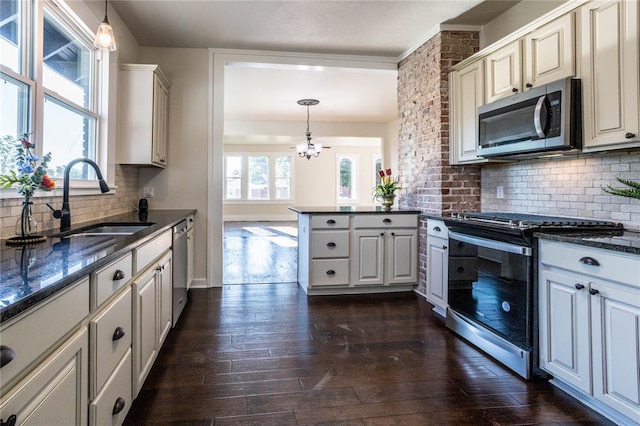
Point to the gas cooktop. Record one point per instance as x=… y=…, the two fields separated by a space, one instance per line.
x=525 y=221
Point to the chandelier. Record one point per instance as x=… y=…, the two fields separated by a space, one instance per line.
x=308 y=149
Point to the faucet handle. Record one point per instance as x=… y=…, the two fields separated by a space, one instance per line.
x=56 y=213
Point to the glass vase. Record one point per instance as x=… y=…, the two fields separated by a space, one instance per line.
x=26 y=224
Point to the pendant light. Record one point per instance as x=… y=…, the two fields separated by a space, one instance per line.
x=308 y=149
x=105 y=39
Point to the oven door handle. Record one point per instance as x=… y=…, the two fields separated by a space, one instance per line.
x=492 y=244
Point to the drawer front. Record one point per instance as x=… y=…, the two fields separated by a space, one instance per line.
x=150 y=251
x=613 y=266
x=37 y=330
x=329 y=272
x=323 y=221
x=326 y=244
x=116 y=395
x=111 y=332
x=437 y=228
x=109 y=279
x=386 y=221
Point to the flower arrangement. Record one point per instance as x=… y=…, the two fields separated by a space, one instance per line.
x=29 y=175
x=632 y=192
x=387 y=186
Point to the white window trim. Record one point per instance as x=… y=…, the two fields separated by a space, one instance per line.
x=354 y=179
x=244 y=176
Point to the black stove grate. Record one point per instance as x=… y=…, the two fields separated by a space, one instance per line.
x=536 y=220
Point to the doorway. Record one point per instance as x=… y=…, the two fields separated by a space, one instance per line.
x=260 y=252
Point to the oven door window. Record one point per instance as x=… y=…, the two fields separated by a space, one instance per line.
x=492 y=287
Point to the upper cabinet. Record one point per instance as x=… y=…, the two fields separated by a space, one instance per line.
x=142 y=115
x=609 y=49
x=544 y=55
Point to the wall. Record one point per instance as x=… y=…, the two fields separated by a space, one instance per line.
x=430 y=184
x=565 y=187
x=315 y=181
x=183 y=184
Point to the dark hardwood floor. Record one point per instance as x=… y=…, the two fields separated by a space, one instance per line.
x=260 y=252
x=270 y=355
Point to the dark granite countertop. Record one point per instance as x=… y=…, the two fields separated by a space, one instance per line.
x=350 y=209
x=30 y=274
x=623 y=241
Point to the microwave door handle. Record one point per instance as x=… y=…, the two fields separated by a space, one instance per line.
x=537 y=117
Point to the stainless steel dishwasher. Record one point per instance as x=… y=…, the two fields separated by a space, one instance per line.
x=179 y=269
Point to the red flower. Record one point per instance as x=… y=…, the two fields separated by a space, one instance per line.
x=388 y=172
x=381 y=173
x=25 y=143
x=47 y=183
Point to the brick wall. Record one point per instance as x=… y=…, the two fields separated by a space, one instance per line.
x=83 y=208
x=565 y=187
x=430 y=184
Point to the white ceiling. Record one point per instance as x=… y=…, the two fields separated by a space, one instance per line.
x=353 y=27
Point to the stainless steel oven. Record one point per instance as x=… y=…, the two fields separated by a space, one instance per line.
x=492 y=281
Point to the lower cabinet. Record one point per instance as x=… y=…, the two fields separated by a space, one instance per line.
x=56 y=391
x=590 y=326
x=151 y=316
x=437 y=265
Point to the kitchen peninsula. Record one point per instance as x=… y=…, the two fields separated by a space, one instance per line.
x=350 y=250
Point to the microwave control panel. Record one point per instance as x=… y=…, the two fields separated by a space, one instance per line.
x=555 y=114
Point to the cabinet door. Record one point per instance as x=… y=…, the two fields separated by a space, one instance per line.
x=145 y=314
x=610 y=74
x=402 y=258
x=191 y=239
x=368 y=251
x=437 y=264
x=564 y=328
x=57 y=391
x=159 y=130
x=467 y=94
x=615 y=313
x=164 y=298
x=549 y=52
x=503 y=72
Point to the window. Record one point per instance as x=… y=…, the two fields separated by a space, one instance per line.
x=258 y=177
x=64 y=92
x=347 y=178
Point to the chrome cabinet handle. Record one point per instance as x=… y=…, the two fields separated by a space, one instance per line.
x=119 y=405
x=587 y=260
x=579 y=286
x=118 y=275
x=331 y=244
x=593 y=291
x=118 y=333
x=6 y=355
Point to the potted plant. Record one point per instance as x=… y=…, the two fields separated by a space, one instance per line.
x=385 y=191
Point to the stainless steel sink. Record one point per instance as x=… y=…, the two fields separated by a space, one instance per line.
x=106 y=230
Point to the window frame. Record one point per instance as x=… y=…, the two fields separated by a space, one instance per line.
x=355 y=158
x=32 y=16
x=244 y=177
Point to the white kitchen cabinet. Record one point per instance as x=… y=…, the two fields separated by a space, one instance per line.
x=544 y=55
x=589 y=303
x=437 y=265
x=191 y=240
x=609 y=48
x=143 y=115
x=466 y=94
x=401 y=253
x=56 y=391
x=368 y=254
x=166 y=292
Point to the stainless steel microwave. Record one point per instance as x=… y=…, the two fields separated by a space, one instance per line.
x=543 y=119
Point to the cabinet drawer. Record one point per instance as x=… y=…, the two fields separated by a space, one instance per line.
x=437 y=228
x=115 y=396
x=330 y=272
x=110 y=338
x=329 y=244
x=35 y=332
x=386 y=221
x=109 y=279
x=613 y=266
x=150 y=251
x=330 y=221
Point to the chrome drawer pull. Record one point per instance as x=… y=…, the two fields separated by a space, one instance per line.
x=589 y=261
x=6 y=355
x=119 y=405
x=118 y=275
x=331 y=244
x=118 y=333
x=331 y=272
